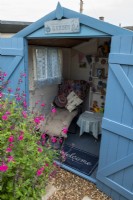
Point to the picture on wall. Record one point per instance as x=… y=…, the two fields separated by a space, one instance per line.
x=100 y=72
x=82 y=61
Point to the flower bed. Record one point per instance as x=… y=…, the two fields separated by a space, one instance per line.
x=26 y=157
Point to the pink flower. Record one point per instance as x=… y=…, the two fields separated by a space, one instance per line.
x=65 y=130
x=11 y=138
x=37 y=120
x=4 y=74
x=41 y=117
x=43 y=104
x=18 y=89
x=60 y=141
x=40 y=149
x=24 y=113
x=54 y=139
x=11 y=145
x=8 y=149
x=1 y=94
x=43 y=142
x=53 y=110
x=46 y=164
x=5 y=117
x=24 y=75
x=3 y=167
x=9 y=90
x=40 y=171
x=24 y=104
x=43 y=136
x=21 y=137
x=18 y=98
x=8 y=113
x=10 y=158
x=63 y=155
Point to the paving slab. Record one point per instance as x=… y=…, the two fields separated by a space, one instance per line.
x=86 y=198
x=50 y=189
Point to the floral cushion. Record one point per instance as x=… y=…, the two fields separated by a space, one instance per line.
x=80 y=87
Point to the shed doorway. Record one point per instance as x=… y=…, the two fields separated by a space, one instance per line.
x=83 y=60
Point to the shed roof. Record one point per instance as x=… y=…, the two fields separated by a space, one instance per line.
x=61 y=13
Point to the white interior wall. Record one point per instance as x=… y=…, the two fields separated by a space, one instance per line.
x=71 y=70
x=82 y=73
x=66 y=52
x=78 y=73
x=87 y=48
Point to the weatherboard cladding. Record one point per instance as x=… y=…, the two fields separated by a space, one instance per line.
x=116 y=163
x=115 y=168
x=85 y=31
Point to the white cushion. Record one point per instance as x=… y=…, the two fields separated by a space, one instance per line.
x=73 y=101
x=53 y=124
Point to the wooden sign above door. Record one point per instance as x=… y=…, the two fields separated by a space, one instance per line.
x=62 y=26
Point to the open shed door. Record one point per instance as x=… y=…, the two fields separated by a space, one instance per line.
x=13 y=61
x=115 y=171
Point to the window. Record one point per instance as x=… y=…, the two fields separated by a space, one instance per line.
x=48 y=65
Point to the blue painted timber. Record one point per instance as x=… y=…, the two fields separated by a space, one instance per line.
x=115 y=168
x=85 y=31
x=76 y=172
x=116 y=153
x=14 y=62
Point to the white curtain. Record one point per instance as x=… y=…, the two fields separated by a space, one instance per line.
x=48 y=68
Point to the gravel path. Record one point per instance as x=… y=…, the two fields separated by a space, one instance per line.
x=71 y=187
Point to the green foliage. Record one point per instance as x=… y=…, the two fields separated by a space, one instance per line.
x=25 y=165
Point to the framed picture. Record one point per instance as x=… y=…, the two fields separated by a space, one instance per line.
x=100 y=72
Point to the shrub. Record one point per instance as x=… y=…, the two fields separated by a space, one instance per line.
x=25 y=165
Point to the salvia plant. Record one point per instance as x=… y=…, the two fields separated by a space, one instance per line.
x=26 y=157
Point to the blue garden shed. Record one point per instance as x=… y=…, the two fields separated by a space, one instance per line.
x=74 y=32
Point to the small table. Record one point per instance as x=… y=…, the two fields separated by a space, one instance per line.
x=90 y=122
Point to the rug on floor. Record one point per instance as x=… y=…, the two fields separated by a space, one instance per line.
x=80 y=160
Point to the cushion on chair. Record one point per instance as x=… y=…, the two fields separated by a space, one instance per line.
x=53 y=124
x=73 y=101
x=80 y=87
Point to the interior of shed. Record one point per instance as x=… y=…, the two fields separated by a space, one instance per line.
x=82 y=59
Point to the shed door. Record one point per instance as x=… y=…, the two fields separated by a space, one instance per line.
x=115 y=171
x=13 y=54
